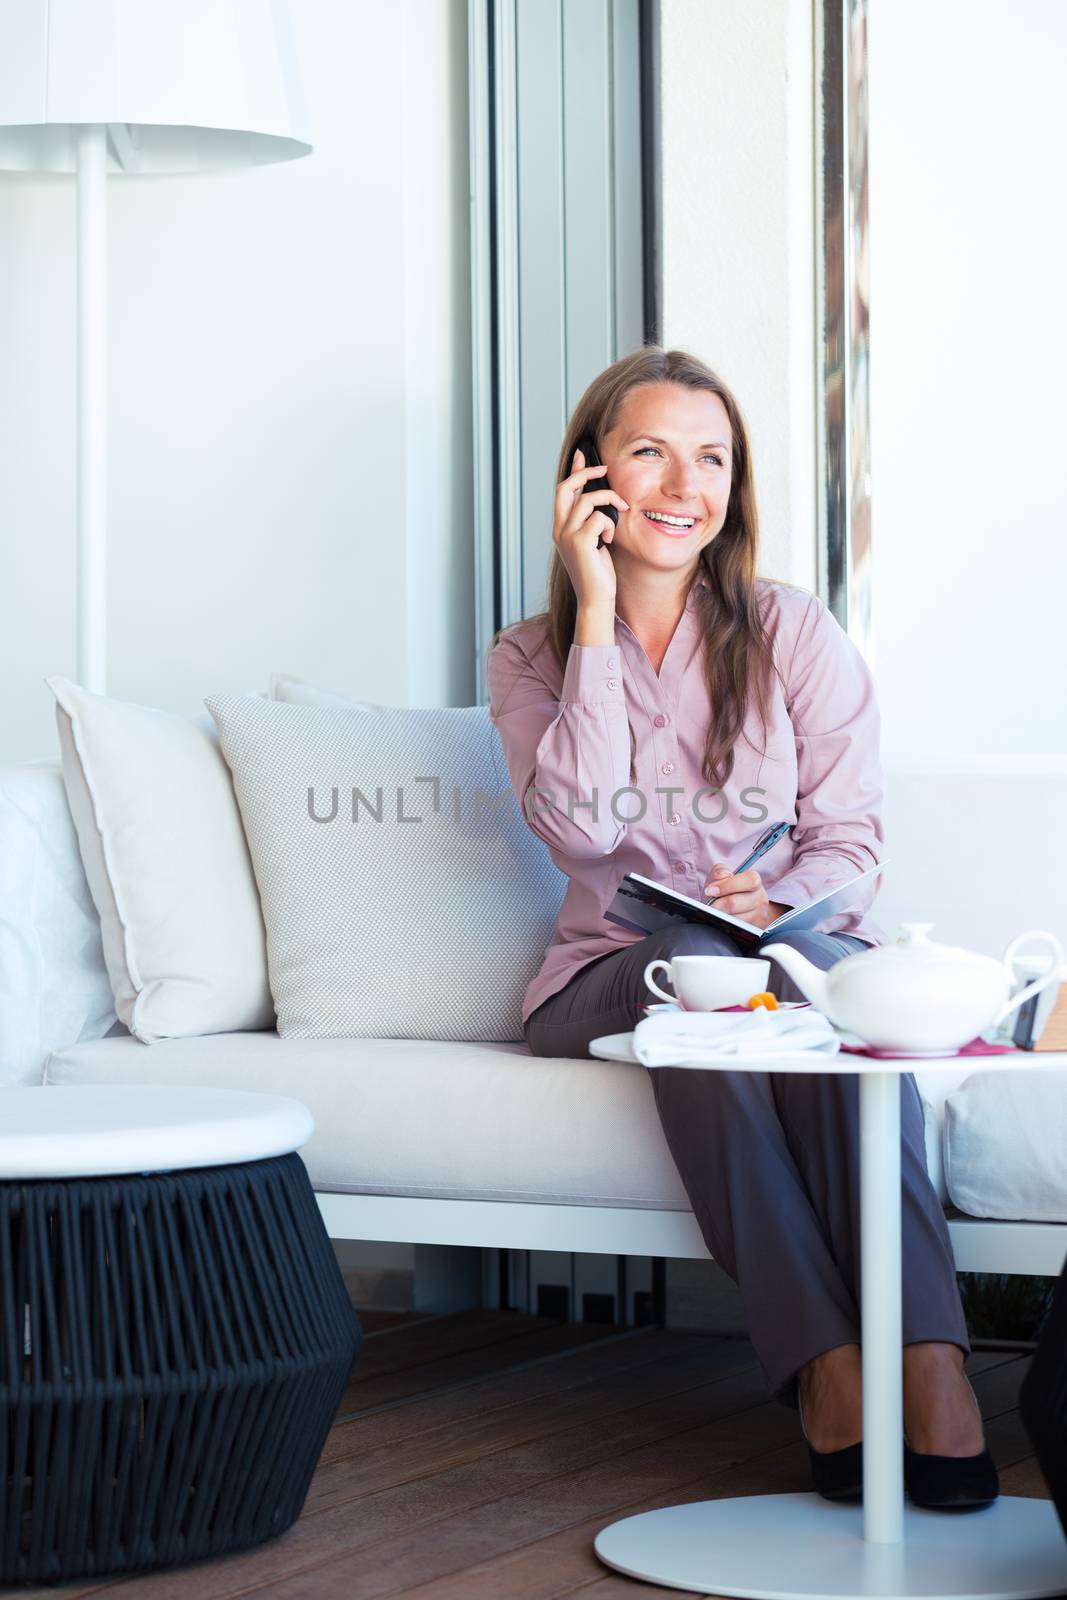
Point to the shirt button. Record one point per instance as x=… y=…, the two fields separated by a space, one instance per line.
x=613 y=683
x=679 y=866
x=611 y=663
x=660 y=721
x=667 y=767
x=675 y=818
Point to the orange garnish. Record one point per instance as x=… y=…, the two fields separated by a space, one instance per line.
x=762 y=999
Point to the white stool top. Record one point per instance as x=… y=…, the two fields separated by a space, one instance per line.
x=87 y=1132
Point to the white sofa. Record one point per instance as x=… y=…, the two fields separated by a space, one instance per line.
x=484 y=1145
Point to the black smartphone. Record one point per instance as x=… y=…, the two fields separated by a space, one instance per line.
x=588 y=449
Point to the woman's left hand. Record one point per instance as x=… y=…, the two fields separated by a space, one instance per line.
x=741 y=894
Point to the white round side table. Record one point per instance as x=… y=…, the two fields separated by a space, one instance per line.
x=800 y=1546
x=87 y=1131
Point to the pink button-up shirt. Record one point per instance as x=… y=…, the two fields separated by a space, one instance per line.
x=567 y=746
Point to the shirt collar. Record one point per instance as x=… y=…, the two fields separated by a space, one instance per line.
x=700 y=581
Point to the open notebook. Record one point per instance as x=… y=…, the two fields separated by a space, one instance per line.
x=646 y=906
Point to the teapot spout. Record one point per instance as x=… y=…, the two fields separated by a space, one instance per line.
x=808 y=978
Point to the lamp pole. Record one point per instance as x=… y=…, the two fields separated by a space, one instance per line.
x=91 y=145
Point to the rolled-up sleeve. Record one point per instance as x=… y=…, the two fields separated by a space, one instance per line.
x=830 y=695
x=568 y=757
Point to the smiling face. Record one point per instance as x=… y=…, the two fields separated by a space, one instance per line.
x=670 y=452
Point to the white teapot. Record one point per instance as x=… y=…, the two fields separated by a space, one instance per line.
x=915 y=997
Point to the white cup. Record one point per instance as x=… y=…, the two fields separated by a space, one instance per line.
x=704 y=983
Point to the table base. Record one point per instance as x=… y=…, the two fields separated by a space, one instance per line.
x=801 y=1547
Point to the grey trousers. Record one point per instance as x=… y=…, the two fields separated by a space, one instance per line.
x=770 y=1162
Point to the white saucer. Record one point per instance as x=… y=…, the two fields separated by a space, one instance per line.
x=783 y=1005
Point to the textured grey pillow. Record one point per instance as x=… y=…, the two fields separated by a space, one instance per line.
x=386 y=926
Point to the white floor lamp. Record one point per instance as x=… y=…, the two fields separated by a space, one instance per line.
x=125 y=86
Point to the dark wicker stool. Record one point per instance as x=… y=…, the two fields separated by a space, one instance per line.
x=173 y=1344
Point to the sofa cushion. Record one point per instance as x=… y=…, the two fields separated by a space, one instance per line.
x=1005 y=1144
x=54 y=986
x=440 y=1119
x=430 y=1118
x=403 y=894
x=167 y=865
x=935 y=1084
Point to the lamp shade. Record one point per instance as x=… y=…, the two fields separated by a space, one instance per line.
x=182 y=85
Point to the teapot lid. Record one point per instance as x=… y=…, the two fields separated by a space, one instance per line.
x=913 y=941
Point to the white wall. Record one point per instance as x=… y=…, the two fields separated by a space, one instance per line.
x=738 y=242
x=289 y=392
x=968 y=356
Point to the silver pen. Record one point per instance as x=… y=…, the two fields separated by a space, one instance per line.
x=769 y=840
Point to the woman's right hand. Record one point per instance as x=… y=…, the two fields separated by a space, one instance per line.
x=578 y=524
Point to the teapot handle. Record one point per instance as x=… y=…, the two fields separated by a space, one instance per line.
x=1038 y=984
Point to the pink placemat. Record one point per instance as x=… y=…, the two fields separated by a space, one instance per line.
x=976 y=1047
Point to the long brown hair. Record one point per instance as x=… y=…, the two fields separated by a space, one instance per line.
x=737 y=649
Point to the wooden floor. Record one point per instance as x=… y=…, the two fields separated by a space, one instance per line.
x=475 y=1457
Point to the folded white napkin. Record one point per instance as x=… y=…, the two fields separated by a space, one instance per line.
x=686 y=1038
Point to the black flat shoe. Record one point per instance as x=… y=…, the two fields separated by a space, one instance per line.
x=835 y=1474
x=950 y=1483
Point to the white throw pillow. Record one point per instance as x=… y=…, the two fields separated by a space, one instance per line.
x=168 y=867
x=54 y=988
x=413 y=921
x=297 y=692
x=1005 y=1150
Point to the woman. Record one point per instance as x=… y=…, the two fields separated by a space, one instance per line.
x=667 y=705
